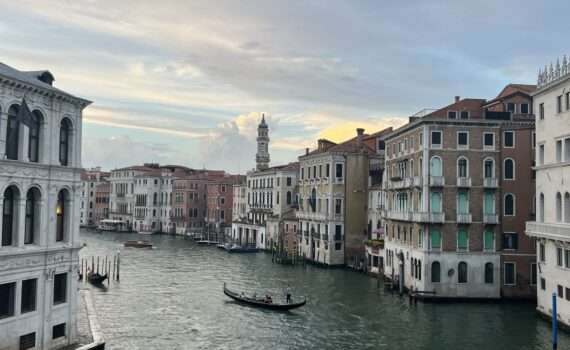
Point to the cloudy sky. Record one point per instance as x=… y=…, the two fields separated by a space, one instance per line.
x=186 y=81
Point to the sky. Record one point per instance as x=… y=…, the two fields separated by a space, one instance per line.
x=185 y=82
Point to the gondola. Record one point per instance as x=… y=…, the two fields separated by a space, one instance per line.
x=95 y=278
x=256 y=302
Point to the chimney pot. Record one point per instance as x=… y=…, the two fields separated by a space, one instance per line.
x=457 y=98
x=306 y=150
x=359 y=133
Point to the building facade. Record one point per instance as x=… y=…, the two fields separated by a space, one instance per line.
x=102 y=193
x=219 y=204
x=40 y=148
x=454 y=180
x=90 y=179
x=552 y=226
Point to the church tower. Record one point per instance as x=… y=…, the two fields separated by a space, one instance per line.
x=262 y=156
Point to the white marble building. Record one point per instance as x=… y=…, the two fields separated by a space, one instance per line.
x=39 y=183
x=551 y=103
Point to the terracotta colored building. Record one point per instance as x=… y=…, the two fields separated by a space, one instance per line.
x=219 y=203
x=102 y=193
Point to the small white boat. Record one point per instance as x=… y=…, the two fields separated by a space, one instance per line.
x=145 y=232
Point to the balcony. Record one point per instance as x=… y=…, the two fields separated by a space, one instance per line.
x=491 y=219
x=464 y=218
x=490 y=182
x=417 y=181
x=399 y=215
x=436 y=181
x=325 y=237
x=463 y=182
x=428 y=217
x=553 y=231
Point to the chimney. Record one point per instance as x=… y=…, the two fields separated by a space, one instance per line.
x=457 y=98
x=359 y=133
x=307 y=151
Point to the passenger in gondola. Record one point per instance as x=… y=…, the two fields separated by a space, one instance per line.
x=268 y=299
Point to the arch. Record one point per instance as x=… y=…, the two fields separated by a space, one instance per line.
x=435 y=272
x=488 y=168
x=63 y=215
x=558 y=207
x=32 y=216
x=462 y=272
x=435 y=166
x=12 y=132
x=541 y=208
x=509 y=169
x=462 y=167
x=34 y=136
x=10 y=215
x=566 y=207
x=154 y=198
x=509 y=207
x=65 y=129
x=489 y=273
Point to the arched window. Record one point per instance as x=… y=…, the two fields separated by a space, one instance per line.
x=61 y=216
x=462 y=167
x=288 y=197
x=64 y=142
x=509 y=206
x=313 y=200
x=34 y=137
x=31 y=228
x=489 y=168
x=435 y=166
x=412 y=170
x=9 y=215
x=435 y=272
x=567 y=207
x=541 y=208
x=462 y=272
x=12 y=133
x=489 y=278
x=558 y=207
x=509 y=169
x=154 y=198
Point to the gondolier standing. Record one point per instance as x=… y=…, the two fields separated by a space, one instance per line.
x=288 y=293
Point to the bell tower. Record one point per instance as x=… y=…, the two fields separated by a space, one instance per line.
x=262 y=156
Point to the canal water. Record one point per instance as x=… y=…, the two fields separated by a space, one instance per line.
x=171 y=297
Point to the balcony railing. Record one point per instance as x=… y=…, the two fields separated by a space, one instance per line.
x=464 y=218
x=436 y=181
x=399 y=215
x=556 y=231
x=428 y=217
x=325 y=237
x=490 y=182
x=463 y=182
x=491 y=219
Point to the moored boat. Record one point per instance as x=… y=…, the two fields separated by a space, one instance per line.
x=138 y=244
x=236 y=248
x=262 y=302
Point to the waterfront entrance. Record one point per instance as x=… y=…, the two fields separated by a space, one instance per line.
x=171 y=298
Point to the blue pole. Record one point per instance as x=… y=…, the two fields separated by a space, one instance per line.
x=554 y=323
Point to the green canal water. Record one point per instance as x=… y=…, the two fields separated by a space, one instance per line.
x=171 y=297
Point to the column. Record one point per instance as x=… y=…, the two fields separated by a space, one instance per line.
x=23 y=143
x=3 y=130
x=42 y=231
x=20 y=220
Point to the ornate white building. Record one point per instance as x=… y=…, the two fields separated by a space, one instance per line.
x=40 y=154
x=552 y=226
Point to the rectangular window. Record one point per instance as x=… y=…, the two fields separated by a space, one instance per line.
x=338 y=233
x=541 y=252
x=510 y=241
x=451 y=114
x=289 y=181
x=58 y=331
x=489 y=140
x=28 y=341
x=568 y=294
x=489 y=240
x=524 y=108
x=567 y=258
x=328 y=170
x=60 y=288
x=488 y=203
x=542 y=284
x=559 y=104
x=338 y=206
x=541 y=111
x=533 y=274
x=462 y=139
x=338 y=171
x=464 y=115
x=511 y=107
x=560 y=292
x=510 y=274
x=462 y=239
x=7 y=299
x=567 y=100
x=29 y=290
x=436 y=139
x=435 y=238
x=508 y=139
x=558 y=151
x=541 y=155
x=559 y=257
x=462 y=202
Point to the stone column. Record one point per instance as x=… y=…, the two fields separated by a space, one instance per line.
x=3 y=130
x=23 y=143
x=42 y=226
x=21 y=221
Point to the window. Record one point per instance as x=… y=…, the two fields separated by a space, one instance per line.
x=9 y=215
x=464 y=115
x=489 y=273
x=435 y=202
x=560 y=292
x=489 y=168
x=533 y=274
x=509 y=206
x=288 y=197
x=462 y=202
x=488 y=203
x=7 y=299
x=28 y=341
x=29 y=290
x=338 y=171
x=12 y=133
x=435 y=238
x=541 y=111
x=558 y=207
x=509 y=139
x=509 y=169
x=60 y=288
x=568 y=294
x=559 y=256
x=567 y=100
x=462 y=168
x=558 y=151
x=488 y=140
x=61 y=216
x=567 y=258
x=541 y=154
x=489 y=240
x=436 y=139
x=511 y=107
x=328 y=170
x=510 y=274
x=337 y=206
x=524 y=108
x=338 y=233
x=462 y=272
x=435 y=272
x=64 y=142
x=541 y=252
x=462 y=139
x=451 y=114
x=542 y=284
x=58 y=331
x=288 y=181
x=462 y=240
x=559 y=104
x=510 y=240
x=32 y=215
x=435 y=166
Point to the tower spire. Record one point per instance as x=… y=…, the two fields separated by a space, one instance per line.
x=262 y=156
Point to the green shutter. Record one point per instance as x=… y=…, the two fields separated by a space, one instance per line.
x=489 y=239
x=462 y=239
x=488 y=207
x=435 y=202
x=463 y=205
x=435 y=237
